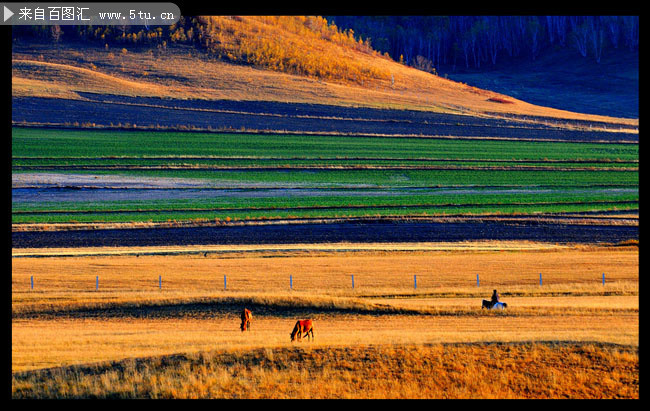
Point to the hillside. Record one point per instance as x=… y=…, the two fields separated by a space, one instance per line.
x=254 y=59
x=587 y=64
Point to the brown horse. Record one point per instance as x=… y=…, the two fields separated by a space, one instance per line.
x=302 y=327
x=246 y=316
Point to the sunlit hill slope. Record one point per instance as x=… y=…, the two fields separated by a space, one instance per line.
x=286 y=59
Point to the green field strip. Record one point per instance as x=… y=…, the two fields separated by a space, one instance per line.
x=49 y=143
x=23 y=163
x=314 y=202
x=280 y=214
x=325 y=208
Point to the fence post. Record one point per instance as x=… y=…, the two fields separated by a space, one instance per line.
x=97 y=283
x=540 y=278
x=291 y=282
x=160 y=282
x=352 y=280
x=477 y=282
x=224 y=282
x=603 y=278
x=32 y=282
x=415 y=281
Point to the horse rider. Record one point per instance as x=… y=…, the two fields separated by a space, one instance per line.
x=495 y=297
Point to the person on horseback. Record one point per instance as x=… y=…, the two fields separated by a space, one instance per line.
x=495 y=297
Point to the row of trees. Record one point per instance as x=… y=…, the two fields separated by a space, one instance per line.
x=472 y=41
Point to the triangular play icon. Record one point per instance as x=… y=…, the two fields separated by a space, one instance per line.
x=8 y=13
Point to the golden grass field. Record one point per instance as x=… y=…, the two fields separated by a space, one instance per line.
x=552 y=370
x=191 y=325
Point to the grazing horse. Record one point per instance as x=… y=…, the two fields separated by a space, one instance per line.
x=302 y=327
x=246 y=316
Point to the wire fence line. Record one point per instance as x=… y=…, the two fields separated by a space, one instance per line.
x=414 y=284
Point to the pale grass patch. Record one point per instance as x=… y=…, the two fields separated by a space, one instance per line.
x=66 y=79
x=24 y=87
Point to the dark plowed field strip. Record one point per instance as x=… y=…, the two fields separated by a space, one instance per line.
x=327 y=111
x=378 y=232
x=121 y=111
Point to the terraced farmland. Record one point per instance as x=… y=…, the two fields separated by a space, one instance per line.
x=119 y=176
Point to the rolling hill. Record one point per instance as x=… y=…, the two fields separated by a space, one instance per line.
x=292 y=59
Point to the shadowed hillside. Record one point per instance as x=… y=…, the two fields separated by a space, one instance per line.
x=586 y=64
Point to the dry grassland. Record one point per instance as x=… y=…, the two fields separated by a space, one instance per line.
x=521 y=370
x=64 y=321
x=329 y=270
x=43 y=343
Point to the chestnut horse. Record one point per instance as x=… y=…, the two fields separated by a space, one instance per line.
x=246 y=316
x=303 y=327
